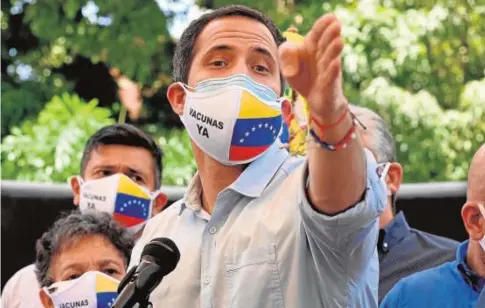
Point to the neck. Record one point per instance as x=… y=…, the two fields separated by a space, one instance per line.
x=387 y=216
x=214 y=177
x=475 y=258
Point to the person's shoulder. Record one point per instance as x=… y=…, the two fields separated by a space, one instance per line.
x=22 y=288
x=26 y=273
x=438 y=271
x=436 y=240
x=168 y=213
x=422 y=287
x=424 y=281
x=162 y=220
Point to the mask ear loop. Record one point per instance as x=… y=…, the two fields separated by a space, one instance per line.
x=385 y=171
x=155 y=194
x=382 y=177
x=186 y=87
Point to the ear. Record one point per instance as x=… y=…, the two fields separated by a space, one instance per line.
x=473 y=220
x=176 y=97
x=76 y=189
x=159 y=203
x=394 y=177
x=45 y=299
x=286 y=110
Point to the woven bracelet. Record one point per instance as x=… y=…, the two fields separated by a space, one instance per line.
x=335 y=147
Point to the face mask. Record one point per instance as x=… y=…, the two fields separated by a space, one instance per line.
x=482 y=210
x=91 y=290
x=382 y=170
x=128 y=203
x=234 y=120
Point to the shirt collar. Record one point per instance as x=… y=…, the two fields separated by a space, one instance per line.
x=259 y=173
x=251 y=182
x=192 y=195
x=471 y=278
x=393 y=233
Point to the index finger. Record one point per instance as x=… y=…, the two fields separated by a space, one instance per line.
x=318 y=28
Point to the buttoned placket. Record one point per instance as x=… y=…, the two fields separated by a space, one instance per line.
x=208 y=268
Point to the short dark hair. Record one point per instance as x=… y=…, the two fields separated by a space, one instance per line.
x=182 y=59
x=70 y=227
x=129 y=135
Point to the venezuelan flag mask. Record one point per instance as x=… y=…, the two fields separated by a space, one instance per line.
x=129 y=203
x=91 y=290
x=234 y=120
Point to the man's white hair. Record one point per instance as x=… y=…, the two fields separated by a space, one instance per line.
x=384 y=145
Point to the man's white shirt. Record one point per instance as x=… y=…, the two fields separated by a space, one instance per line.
x=265 y=245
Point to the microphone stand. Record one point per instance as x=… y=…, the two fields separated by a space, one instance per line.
x=130 y=290
x=145 y=303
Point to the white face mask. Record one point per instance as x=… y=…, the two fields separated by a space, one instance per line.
x=234 y=120
x=128 y=203
x=91 y=290
x=482 y=210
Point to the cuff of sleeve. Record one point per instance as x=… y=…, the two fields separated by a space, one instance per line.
x=356 y=216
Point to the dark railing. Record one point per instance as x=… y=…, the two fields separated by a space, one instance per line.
x=28 y=209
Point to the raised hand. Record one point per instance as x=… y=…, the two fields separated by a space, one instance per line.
x=314 y=68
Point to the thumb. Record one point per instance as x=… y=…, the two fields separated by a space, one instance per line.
x=292 y=63
x=290 y=59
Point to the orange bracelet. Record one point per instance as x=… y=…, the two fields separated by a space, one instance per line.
x=325 y=127
x=351 y=134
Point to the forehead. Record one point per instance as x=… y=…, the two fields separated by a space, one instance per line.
x=85 y=249
x=232 y=29
x=137 y=158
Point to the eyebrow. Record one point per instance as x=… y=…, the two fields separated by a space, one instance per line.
x=73 y=266
x=107 y=166
x=260 y=50
x=79 y=265
x=105 y=262
x=219 y=48
x=263 y=51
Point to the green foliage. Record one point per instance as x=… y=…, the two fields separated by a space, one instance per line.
x=20 y=103
x=433 y=144
x=124 y=34
x=419 y=63
x=178 y=160
x=45 y=39
x=433 y=45
x=49 y=149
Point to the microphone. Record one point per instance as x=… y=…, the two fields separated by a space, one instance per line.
x=158 y=258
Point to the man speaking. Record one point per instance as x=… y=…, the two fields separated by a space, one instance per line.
x=257 y=228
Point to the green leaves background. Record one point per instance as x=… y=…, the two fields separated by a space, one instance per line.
x=420 y=64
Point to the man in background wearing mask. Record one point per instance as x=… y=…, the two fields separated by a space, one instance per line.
x=121 y=173
x=459 y=283
x=402 y=250
x=257 y=228
x=81 y=259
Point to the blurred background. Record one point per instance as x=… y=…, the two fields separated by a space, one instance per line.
x=70 y=67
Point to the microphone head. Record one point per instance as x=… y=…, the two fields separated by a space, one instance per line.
x=163 y=252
